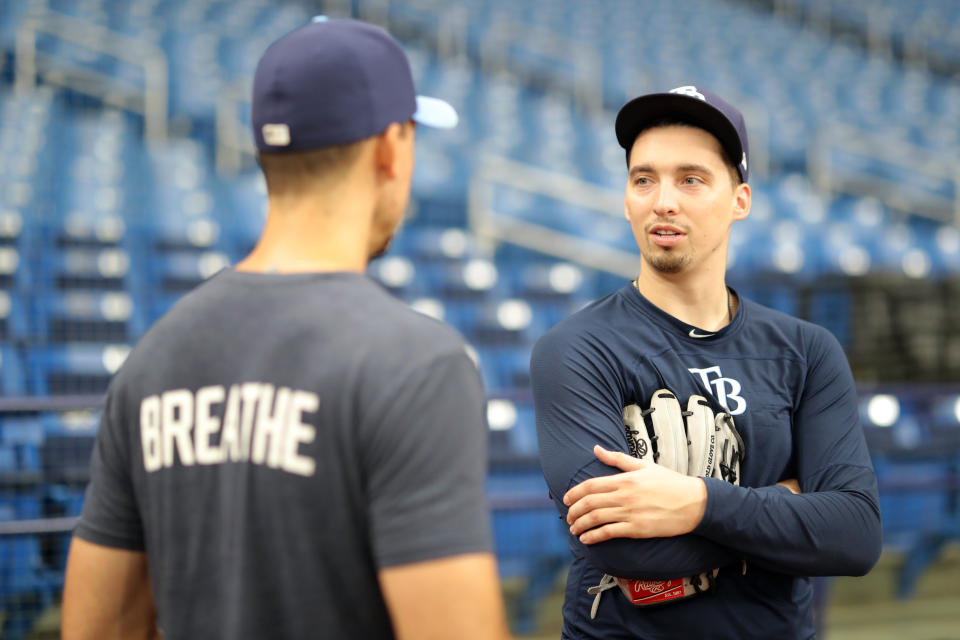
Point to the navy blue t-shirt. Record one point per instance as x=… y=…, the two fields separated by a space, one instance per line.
x=275 y=441
x=790 y=390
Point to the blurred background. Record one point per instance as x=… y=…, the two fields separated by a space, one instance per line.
x=127 y=177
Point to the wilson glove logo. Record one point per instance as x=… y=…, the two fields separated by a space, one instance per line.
x=725 y=390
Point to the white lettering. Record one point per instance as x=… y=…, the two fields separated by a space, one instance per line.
x=177 y=415
x=150 y=433
x=689 y=90
x=250 y=393
x=270 y=426
x=230 y=436
x=297 y=432
x=723 y=389
x=724 y=396
x=705 y=374
x=252 y=421
x=206 y=425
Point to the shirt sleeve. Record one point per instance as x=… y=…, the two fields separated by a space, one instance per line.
x=833 y=527
x=110 y=514
x=578 y=399
x=425 y=462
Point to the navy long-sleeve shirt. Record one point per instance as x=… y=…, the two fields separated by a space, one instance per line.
x=792 y=396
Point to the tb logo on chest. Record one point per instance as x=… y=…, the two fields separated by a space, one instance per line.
x=725 y=390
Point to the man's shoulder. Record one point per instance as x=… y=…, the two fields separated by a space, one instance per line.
x=590 y=316
x=330 y=315
x=598 y=327
x=781 y=326
x=414 y=333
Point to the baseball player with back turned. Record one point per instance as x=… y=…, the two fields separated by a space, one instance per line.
x=705 y=451
x=290 y=452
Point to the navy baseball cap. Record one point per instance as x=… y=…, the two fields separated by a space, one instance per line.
x=336 y=81
x=693 y=105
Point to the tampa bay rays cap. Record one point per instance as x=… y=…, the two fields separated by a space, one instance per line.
x=693 y=105
x=336 y=81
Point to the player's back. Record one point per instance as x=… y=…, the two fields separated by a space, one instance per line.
x=248 y=419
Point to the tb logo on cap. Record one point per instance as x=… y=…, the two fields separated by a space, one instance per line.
x=689 y=90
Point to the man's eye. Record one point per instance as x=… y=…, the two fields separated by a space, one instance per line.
x=691 y=180
x=642 y=180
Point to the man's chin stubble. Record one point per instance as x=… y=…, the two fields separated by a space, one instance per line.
x=668 y=262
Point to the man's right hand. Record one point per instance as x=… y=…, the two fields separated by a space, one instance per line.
x=647 y=500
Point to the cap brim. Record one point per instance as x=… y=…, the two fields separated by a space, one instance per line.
x=434 y=112
x=640 y=112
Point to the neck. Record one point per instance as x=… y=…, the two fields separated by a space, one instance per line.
x=700 y=299
x=314 y=233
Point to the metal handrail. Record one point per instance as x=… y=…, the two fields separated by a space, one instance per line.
x=232 y=138
x=908 y=157
x=30 y=62
x=40 y=525
x=51 y=403
x=452 y=33
x=492 y=227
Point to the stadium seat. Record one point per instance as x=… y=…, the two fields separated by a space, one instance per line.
x=504 y=368
x=179 y=271
x=89 y=316
x=66 y=459
x=13 y=378
x=81 y=368
x=101 y=233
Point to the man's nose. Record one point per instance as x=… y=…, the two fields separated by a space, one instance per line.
x=666 y=204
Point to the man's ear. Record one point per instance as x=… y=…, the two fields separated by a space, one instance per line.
x=386 y=152
x=741 y=201
x=388 y=147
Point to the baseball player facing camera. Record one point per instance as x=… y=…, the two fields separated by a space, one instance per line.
x=705 y=451
x=291 y=452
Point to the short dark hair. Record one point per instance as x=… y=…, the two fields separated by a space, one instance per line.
x=295 y=171
x=674 y=121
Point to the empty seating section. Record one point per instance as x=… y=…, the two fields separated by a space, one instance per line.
x=100 y=232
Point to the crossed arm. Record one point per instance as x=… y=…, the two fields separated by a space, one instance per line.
x=645 y=500
x=651 y=523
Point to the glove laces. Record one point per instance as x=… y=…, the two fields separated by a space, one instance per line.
x=606 y=582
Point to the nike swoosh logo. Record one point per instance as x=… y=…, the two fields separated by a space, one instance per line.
x=693 y=334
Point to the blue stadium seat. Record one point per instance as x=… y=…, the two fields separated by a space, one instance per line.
x=109 y=269
x=529 y=537
x=27 y=584
x=12 y=373
x=180 y=271
x=398 y=274
x=66 y=458
x=243 y=218
x=20 y=564
x=74 y=368
x=90 y=316
x=505 y=368
x=22 y=494
x=14 y=316
x=475 y=280
x=505 y=322
x=15 y=273
x=21 y=438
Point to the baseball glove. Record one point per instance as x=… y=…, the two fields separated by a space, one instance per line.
x=693 y=442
